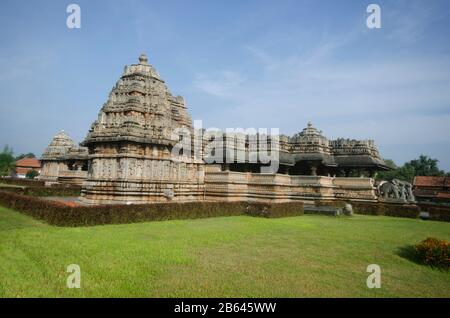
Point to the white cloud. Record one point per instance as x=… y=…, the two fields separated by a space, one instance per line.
x=338 y=89
x=221 y=84
x=402 y=101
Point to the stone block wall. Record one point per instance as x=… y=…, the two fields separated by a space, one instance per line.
x=240 y=186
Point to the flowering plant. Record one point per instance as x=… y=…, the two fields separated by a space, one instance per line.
x=434 y=252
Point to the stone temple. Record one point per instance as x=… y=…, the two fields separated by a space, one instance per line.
x=131 y=155
x=131 y=141
x=63 y=161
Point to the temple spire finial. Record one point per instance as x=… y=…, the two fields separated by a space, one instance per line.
x=143 y=59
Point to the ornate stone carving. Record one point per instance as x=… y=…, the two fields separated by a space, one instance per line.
x=63 y=161
x=396 y=190
x=138 y=120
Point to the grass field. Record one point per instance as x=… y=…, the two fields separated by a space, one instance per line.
x=307 y=256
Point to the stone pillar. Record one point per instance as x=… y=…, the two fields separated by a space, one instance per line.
x=313 y=170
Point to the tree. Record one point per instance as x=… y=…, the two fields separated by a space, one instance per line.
x=7 y=161
x=390 y=163
x=26 y=155
x=390 y=174
x=423 y=166
x=31 y=174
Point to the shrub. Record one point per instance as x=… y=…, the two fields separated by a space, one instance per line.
x=54 y=191
x=274 y=210
x=46 y=191
x=22 y=182
x=401 y=210
x=388 y=209
x=437 y=212
x=368 y=208
x=434 y=252
x=32 y=174
x=70 y=214
x=330 y=203
x=373 y=208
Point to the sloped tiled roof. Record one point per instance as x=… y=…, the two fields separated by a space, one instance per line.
x=427 y=181
x=28 y=163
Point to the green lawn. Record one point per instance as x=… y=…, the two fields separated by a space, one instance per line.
x=307 y=256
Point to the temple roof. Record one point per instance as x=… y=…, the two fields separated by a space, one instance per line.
x=310 y=130
x=59 y=146
x=63 y=147
x=142 y=68
x=140 y=109
x=360 y=161
x=310 y=145
x=309 y=133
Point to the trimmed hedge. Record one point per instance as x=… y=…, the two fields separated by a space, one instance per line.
x=61 y=214
x=274 y=210
x=401 y=210
x=22 y=182
x=377 y=208
x=388 y=209
x=46 y=191
x=330 y=203
x=437 y=212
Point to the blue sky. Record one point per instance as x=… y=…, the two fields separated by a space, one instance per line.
x=238 y=64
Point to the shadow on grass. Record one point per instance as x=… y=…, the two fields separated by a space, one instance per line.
x=409 y=253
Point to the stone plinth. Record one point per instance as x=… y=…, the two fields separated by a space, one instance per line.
x=246 y=186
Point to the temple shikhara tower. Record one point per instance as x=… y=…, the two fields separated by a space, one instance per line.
x=63 y=161
x=131 y=155
x=130 y=144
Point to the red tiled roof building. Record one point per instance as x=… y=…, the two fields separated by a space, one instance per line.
x=428 y=188
x=26 y=164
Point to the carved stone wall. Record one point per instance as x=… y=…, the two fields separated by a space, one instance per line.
x=131 y=144
x=63 y=161
x=243 y=186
